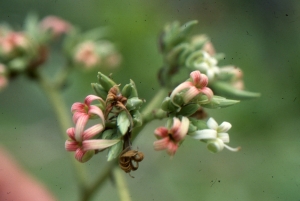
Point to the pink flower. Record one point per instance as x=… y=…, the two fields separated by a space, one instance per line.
x=12 y=41
x=82 y=112
x=57 y=25
x=87 y=55
x=196 y=85
x=170 y=138
x=82 y=144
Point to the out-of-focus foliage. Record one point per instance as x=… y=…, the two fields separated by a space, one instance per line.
x=260 y=37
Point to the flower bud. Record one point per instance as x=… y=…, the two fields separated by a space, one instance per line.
x=99 y=90
x=134 y=103
x=218 y=102
x=215 y=145
x=106 y=82
x=167 y=105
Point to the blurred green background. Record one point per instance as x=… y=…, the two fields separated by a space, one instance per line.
x=260 y=37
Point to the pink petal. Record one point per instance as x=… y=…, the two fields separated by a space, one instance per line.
x=190 y=94
x=195 y=76
x=79 y=154
x=96 y=110
x=161 y=144
x=88 y=100
x=92 y=131
x=71 y=133
x=98 y=144
x=71 y=145
x=161 y=132
x=79 y=127
x=77 y=115
x=183 y=128
x=208 y=92
x=77 y=107
x=179 y=88
x=172 y=148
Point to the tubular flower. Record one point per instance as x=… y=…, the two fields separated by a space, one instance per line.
x=12 y=41
x=216 y=136
x=208 y=65
x=196 y=85
x=87 y=55
x=82 y=144
x=82 y=112
x=55 y=24
x=170 y=138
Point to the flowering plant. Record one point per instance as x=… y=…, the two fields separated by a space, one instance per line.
x=112 y=117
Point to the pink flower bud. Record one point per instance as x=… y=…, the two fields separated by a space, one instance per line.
x=57 y=25
x=87 y=55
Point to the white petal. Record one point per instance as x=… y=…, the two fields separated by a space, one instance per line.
x=224 y=137
x=205 y=134
x=224 y=127
x=212 y=124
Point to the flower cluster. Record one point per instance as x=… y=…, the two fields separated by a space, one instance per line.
x=23 y=51
x=204 y=89
x=116 y=113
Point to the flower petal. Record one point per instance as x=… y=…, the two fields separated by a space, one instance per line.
x=224 y=127
x=205 y=134
x=88 y=100
x=97 y=111
x=161 y=144
x=179 y=88
x=92 y=131
x=190 y=94
x=208 y=92
x=71 y=133
x=79 y=127
x=71 y=145
x=212 y=124
x=172 y=148
x=161 y=132
x=224 y=137
x=77 y=107
x=182 y=131
x=98 y=144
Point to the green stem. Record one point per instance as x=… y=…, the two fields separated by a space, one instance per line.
x=121 y=184
x=105 y=173
x=64 y=120
x=149 y=111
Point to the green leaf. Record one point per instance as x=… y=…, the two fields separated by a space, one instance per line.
x=228 y=91
x=189 y=109
x=123 y=122
x=114 y=151
x=218 y=102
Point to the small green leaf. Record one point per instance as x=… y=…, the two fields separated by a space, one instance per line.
x=189 y=109
x=228 y=91
x=114 y=151
x=99 y=90
x=218 y=102
x=123 y=122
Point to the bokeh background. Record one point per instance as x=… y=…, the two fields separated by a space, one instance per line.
x=260 y=37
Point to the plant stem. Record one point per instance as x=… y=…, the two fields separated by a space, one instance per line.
x=64 y=120
x=121 y=184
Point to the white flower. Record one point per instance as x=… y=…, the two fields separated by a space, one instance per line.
x=208 y=65
x=216 y=136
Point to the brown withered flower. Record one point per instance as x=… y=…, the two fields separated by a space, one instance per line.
x=115 y=99
x=129 y=159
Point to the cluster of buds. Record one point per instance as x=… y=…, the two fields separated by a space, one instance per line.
x=209 y=86
x=116 y=114
x=23 y=51
x=191 y=53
